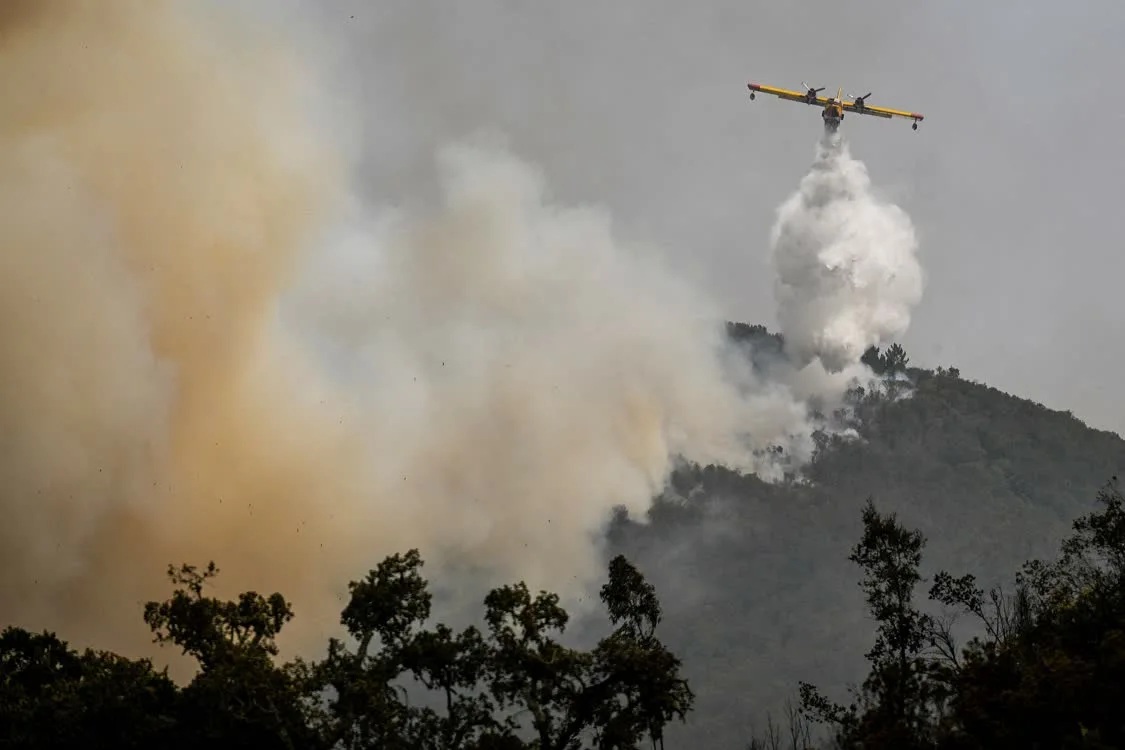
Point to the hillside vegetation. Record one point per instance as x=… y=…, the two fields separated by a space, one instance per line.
x=758 y=590
x=748 y=590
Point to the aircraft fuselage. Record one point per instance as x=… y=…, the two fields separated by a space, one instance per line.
x=832 y=114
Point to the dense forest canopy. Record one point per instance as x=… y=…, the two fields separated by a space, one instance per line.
x=733 y=600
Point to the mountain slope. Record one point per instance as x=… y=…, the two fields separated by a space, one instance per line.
x=755 y=580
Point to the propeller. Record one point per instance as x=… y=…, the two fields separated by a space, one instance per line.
x=810 y=89
x=861 y=98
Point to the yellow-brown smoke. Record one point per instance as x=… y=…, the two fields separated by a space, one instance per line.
x=509 y=373
x=158 y=184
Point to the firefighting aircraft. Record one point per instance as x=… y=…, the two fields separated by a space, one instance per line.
x=834 y=107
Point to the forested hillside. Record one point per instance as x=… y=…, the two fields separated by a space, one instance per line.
x=749 y=584
x=757 y=588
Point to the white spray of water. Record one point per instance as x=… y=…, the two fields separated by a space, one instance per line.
x=847 y=274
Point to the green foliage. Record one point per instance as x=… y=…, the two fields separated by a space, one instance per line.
x=213 y=631
x=762 y=600
x=1058 y=677
x=763 y=349
x=626 y=689
x=896 y=695
x=1049 y=673
x=887 y=363
x=53 y=696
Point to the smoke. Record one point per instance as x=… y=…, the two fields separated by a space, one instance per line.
x=213 y=350
x=526 y=370
x=847 y=275
x=158 y=185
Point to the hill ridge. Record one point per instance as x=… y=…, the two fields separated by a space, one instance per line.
x=760 y=594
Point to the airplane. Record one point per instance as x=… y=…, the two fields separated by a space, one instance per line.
x=834 y=107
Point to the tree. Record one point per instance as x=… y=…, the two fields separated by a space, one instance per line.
x=799 y=732
x=239 y=695
x=627 y=687
x=1051 y=672
x=53 y=696
x=895 y=360
x=358 y=696
x=887 y=363
x=894 y=700
x=385 y=616
x=873 y=358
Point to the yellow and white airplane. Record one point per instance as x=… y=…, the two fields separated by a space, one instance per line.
x=834 y=107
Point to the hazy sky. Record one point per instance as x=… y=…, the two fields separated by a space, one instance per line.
x=1013 y=180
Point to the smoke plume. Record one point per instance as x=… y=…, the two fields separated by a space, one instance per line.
x=212 y=350
x=847 y=275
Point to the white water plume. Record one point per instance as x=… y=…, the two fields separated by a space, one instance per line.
x=847 y=274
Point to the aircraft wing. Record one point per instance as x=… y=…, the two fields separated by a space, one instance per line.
x=793 y=96
x=881 y=112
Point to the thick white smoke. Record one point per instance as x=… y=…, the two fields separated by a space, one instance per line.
x=524 y=369
x=485 y=380
x=847 y=274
